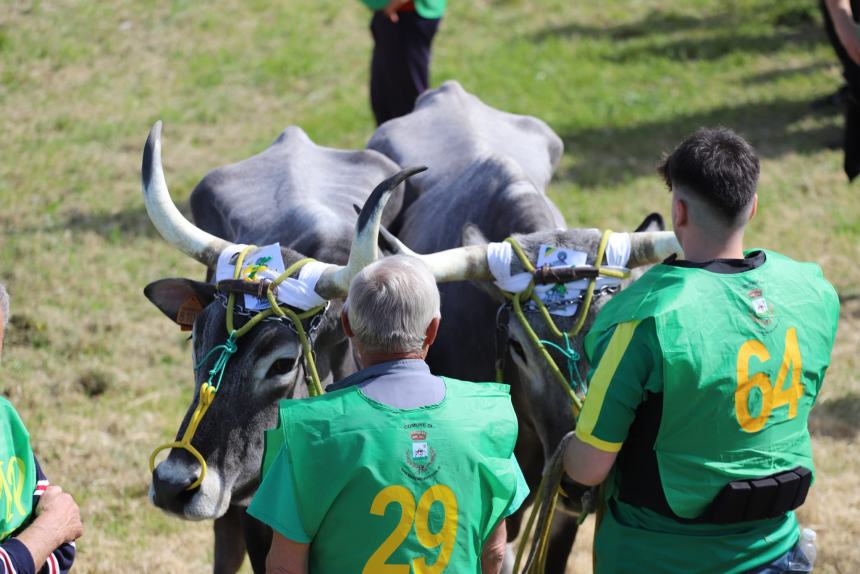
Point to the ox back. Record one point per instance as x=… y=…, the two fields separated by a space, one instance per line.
x=450 y=128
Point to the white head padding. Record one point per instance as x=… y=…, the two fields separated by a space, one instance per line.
x=267 y=263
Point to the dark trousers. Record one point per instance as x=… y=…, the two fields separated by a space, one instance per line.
x=851 y=72
x=400 y=68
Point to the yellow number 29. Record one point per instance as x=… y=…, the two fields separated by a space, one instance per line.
x=444 y=537
x=772 y=396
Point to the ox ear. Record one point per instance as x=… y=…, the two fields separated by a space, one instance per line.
x=654 y=222
x=180 y=299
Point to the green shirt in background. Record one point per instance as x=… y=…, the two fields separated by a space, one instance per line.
x=737 y=360
x=430 y=9
x=420 y=488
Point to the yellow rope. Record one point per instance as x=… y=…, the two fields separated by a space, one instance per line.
x=538 y=565
x=207 y=391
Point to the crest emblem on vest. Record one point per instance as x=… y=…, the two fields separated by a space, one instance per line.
x=420 y=456
x=760 y=309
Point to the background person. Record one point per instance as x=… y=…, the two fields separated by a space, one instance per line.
x=840 y=20
x=39 y=522
x=393 y=465
x=403 y=32
x=704 y=373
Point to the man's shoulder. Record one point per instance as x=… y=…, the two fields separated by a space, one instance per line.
x=328 y=400
x=472 y=388
x=9 y=415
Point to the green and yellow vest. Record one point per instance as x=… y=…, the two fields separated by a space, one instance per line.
x=17 y=471
x=744 y=356
x=385 y=490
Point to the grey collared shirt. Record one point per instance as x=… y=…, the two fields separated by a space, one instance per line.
x=402 y=384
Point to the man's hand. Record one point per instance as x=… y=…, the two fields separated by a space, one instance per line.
x=60 y=514
x=58 y=520
x=391 y=10
x=845 y=26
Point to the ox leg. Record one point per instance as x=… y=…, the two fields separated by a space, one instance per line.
x=229 y=542
x=258 y=537
x=562 y=535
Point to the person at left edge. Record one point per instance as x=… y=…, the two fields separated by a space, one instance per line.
x=393 y=467
x=41 y=522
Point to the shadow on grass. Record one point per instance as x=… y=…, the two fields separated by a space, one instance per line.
x=665 y=34
x=837 y=418
x=606 y=156
x=131 y=221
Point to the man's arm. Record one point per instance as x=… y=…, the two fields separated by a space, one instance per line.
x=586 y=464
x=287 y=556
x=626 y=359
x=58 y=522
x=493 y=553
x=845 y=27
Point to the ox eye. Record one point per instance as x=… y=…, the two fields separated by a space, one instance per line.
x=280 y=367
x=518 y=349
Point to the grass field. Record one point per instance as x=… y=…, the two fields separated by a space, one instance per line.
x=101 y=377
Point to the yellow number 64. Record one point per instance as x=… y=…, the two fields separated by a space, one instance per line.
x=772 y=396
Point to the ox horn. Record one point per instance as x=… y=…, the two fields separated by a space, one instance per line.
x=470 y=262
x=334 y=282
x=652 y=247
x=171 y=224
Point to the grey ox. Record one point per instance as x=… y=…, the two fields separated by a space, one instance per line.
x=298 y=194
x=488 y=171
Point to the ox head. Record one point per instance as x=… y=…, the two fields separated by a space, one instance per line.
x=266 y=367
x=539 y=387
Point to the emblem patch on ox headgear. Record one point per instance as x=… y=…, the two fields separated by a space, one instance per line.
x=420 y=456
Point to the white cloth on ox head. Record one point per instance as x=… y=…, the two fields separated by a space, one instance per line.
x=500 y=256
x=266 y=262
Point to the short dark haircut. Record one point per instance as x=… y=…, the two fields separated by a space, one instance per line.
x=718 y=166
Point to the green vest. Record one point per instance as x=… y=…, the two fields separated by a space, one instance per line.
x=744 y=356
x=17 y=471
x=389 y=491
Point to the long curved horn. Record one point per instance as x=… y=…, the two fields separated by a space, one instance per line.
x=652 y=247
x=171 y=224
x=467 y=263
x=334 y=282
x=470 y=263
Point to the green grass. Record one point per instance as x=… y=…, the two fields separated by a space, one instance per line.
x=101 y=377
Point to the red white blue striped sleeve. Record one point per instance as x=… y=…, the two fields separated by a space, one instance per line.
x=16 y=559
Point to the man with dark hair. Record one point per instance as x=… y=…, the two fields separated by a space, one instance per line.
x=703 y=375
x=403 y=32
x=38 y=521
x=840 y=21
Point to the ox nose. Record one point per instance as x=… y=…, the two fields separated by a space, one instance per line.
x=170 y=481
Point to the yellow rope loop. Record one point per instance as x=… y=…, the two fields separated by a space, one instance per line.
x=205 y=398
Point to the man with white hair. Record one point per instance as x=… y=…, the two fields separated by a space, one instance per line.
x=394 y=469
x=39 y=522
